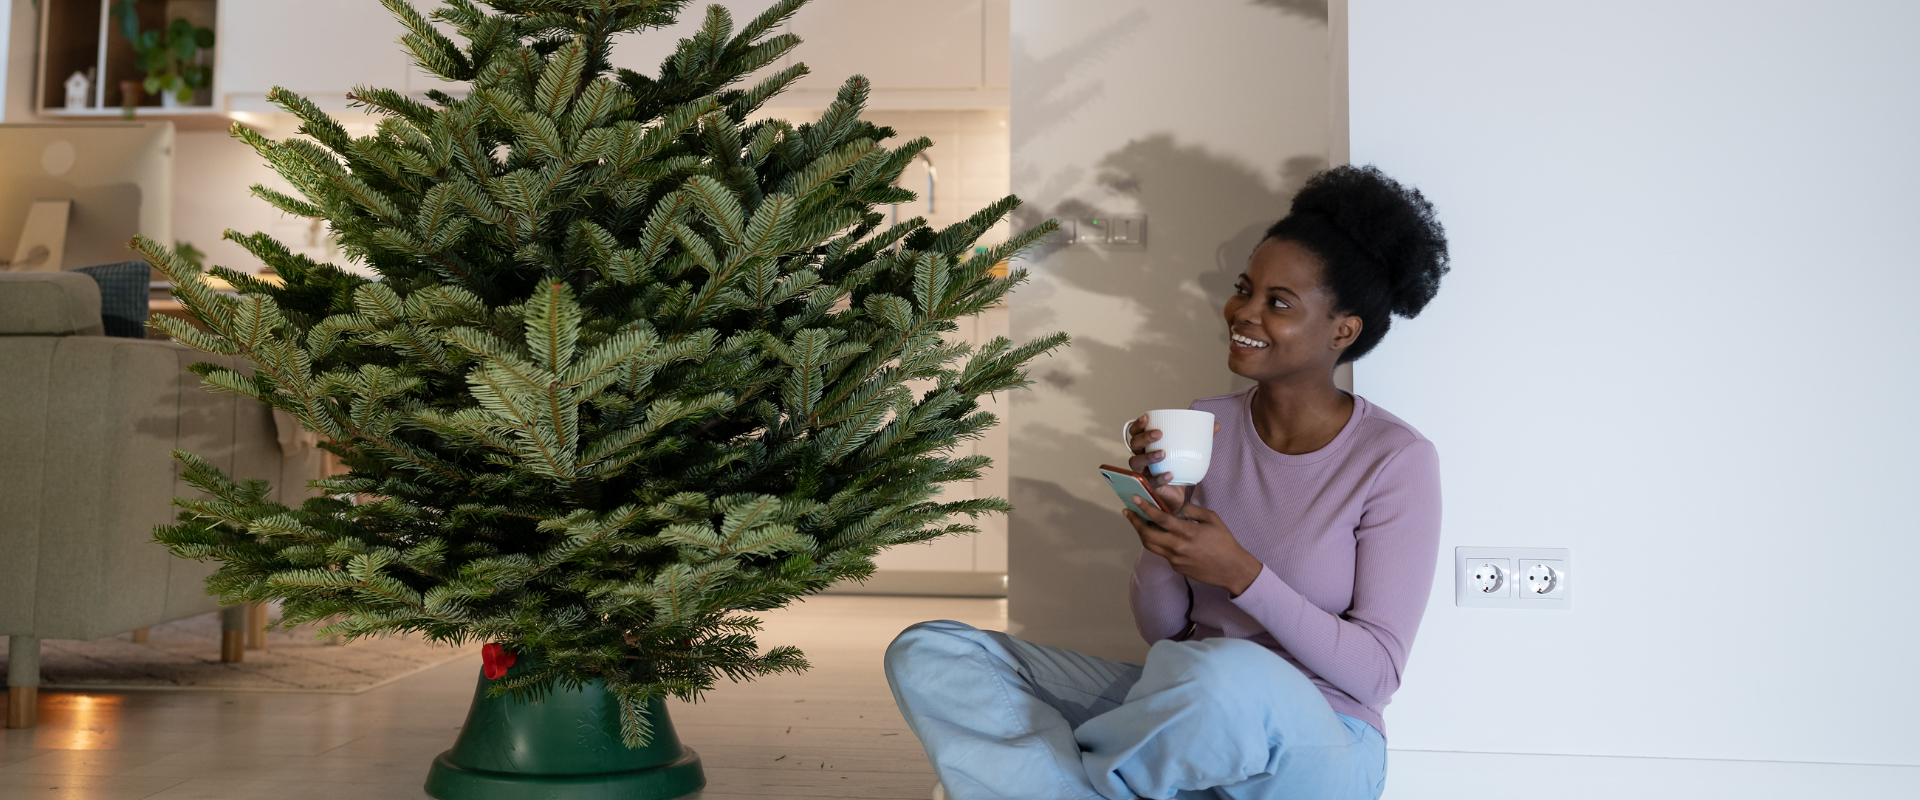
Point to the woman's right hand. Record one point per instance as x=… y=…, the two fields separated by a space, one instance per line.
x=1139 y=437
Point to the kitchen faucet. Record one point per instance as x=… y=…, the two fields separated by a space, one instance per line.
x=932 y=181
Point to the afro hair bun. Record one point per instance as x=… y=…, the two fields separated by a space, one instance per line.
x=1383 y=248
x=1389 y=221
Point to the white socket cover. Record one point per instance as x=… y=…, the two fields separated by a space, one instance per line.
x=1540 y=578
x=1488 y=576
x=1552 y=567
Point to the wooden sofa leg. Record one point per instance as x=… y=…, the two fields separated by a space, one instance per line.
x=233 y=634
x=23 y=705
x=256 y=626
x=23 y=681
x=140 y=635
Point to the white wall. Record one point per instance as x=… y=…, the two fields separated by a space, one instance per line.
x=19 y=41
x=1204 y=115
x=212 y=174
x=317 y=50
x=1679 y=339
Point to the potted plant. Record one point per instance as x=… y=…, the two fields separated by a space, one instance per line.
x=169 y=56
x=635 y=366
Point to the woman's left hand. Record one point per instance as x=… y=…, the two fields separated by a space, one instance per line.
x=1197 y=544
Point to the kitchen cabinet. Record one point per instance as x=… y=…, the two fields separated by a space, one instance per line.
x=318 y=50
x=898 y=44
x=919 y=54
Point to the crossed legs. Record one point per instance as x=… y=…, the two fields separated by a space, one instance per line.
x=1004 y=718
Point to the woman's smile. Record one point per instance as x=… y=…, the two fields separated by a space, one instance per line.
x=1246 y=343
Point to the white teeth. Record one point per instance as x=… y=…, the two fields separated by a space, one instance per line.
x=1238 y=339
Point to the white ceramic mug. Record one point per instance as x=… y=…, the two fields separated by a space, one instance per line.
x=1187 y=437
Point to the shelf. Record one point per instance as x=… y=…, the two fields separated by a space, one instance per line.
x=186 y=118
x=80 y=36
x=141 y=111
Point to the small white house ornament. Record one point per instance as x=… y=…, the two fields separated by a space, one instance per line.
x=79 y=91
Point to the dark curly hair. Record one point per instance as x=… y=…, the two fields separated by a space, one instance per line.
x=1379 y=244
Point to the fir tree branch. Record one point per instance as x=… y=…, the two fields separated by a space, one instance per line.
x=630 y=366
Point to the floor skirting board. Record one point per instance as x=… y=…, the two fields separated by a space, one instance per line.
x=1442 y=775
x=928 y=583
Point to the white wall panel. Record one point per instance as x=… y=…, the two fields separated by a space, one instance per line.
x=1679 y=339
x=898 y=44
x=320 y=49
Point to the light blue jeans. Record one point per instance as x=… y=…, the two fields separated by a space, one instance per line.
x=1225 y=718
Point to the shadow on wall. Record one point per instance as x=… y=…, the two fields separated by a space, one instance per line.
x=1053 y=89
x=1177 y=286
x=1315 y=10
x=1206 y=213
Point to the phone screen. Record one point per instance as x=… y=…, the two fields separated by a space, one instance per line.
x=1127 y=485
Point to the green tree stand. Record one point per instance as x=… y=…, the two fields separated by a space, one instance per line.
x=565 y=747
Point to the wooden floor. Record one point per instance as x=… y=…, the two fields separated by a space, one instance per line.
x=832 y=732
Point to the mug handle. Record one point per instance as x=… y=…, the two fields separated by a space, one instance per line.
x=1124 y=427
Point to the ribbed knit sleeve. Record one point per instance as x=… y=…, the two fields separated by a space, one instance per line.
x=1396 y=546
x=1158 y=596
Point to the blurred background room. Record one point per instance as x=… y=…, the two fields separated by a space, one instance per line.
x=1677 y=345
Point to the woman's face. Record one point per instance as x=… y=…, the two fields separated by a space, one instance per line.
x=1280 y=319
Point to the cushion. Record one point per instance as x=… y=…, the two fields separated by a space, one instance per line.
x=123 y=296
x=49 y=304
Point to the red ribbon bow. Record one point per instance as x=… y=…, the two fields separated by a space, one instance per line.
x=495 y=659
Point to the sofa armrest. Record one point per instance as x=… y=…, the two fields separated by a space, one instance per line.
x=96 y=475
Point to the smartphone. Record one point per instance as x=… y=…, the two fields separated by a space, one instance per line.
x=1128 y=484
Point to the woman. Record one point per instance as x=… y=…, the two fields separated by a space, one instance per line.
x=1281 y=597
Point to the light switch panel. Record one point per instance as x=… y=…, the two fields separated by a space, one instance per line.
x=1127 y=230
x=1115 y=231
x=1090 y=230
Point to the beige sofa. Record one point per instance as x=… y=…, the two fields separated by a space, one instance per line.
x=87 y=426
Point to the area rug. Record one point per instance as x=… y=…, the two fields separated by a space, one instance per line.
x=185 y=656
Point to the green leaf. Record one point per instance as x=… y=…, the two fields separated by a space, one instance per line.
x=553 y=326
x=721 y=207
x=772 y=225
x=698 y=247
x=126 y=12
x=560 y=81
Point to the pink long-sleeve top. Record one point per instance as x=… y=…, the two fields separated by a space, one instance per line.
x=1349 y=535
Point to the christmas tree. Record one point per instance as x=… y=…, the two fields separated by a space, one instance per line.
x=634 y=367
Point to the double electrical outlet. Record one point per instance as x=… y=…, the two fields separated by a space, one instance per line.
x=1513 y=577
